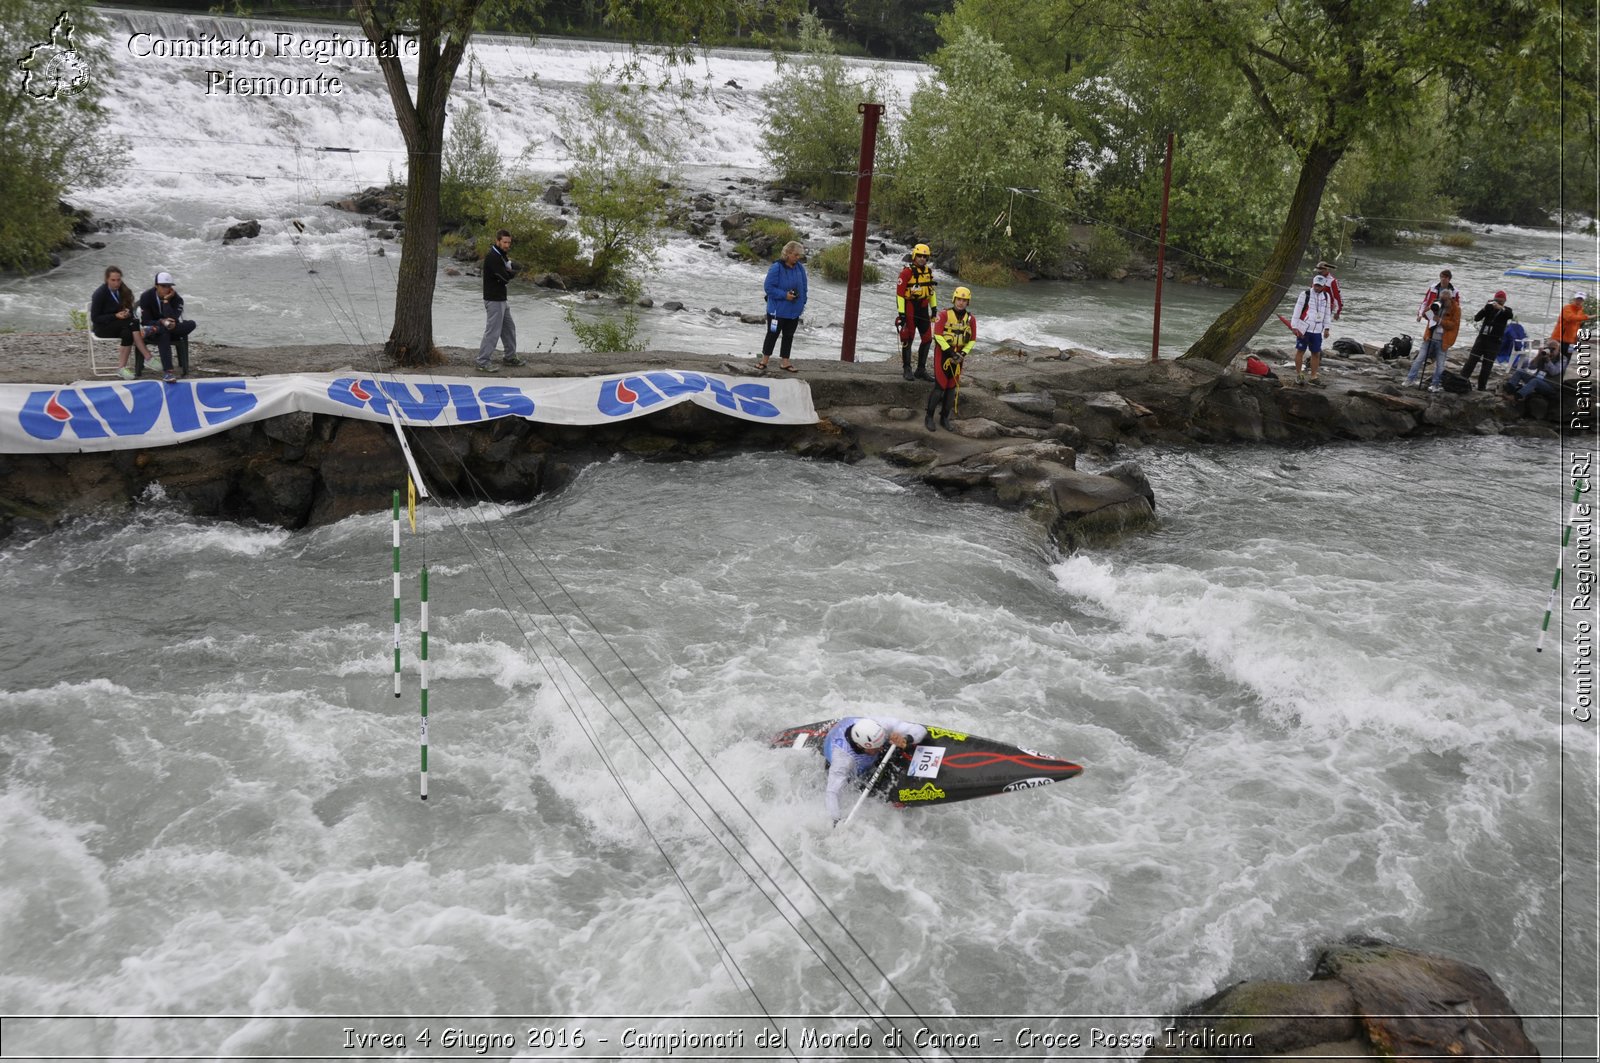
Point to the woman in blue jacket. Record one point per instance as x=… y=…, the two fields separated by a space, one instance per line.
x=786 y=301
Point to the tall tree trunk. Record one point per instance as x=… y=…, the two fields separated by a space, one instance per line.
x=1233 y=328
x=411 y=337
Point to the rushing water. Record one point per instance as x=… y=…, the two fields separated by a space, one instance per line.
x=1308 y=706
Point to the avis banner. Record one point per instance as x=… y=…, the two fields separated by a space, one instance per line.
x=43 y=419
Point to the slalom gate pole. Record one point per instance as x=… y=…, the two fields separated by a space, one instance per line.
x=884 y=763
x=397 y=594
x=1566 y=537
x=423 y=684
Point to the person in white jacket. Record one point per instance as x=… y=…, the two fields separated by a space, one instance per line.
x=1313 y=316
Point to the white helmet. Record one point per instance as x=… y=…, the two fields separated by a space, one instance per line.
x=868 y=735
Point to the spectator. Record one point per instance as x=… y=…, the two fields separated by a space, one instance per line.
x=1440 y=292
x=498 y=327
x=1313 y=313
x=161 y=310
x=1335 y=299
x=955 y=331
x=1432 y=347
x=1567 y=325
x=786 y=301
x=113 y=316
x=916 y=299
x=1541 y=376
x=1495 y=316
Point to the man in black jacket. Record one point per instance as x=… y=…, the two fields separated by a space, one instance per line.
x=1495 y=315
x=498 y=326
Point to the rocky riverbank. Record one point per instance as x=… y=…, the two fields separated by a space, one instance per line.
x=1366 y=999
x=1024 y=417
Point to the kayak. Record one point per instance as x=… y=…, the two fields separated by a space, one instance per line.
x=950 y=766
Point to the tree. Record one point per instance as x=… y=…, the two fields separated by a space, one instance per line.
x=52 y=123
x=436 y=32
x=981 y=162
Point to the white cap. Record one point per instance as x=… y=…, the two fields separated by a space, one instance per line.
x=165 y=278
x=1580 y=295
x=1319 y=281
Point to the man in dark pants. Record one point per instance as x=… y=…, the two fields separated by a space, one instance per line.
x=161 y=310
x=916 y=299
x=498 y=326
x=1495 y=315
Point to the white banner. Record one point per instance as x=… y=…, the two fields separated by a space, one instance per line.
x=121 y=415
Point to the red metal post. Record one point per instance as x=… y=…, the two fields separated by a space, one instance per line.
x=858 y=235
x=1161 y=250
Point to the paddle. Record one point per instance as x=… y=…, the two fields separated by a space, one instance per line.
x=884 y=763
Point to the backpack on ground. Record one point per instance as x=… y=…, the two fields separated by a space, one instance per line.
x=1346 y=345
x=1399 y=347
x=1455 y=383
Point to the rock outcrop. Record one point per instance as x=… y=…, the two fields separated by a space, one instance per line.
x=1366 y=999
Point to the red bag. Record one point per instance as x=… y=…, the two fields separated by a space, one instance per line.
x=1256 y=367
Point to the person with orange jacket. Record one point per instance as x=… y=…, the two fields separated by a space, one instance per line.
x=916 y=298
x=955 y=331
x=1567 y=325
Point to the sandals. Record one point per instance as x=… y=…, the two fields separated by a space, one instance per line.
x=789 y=368
x=761 y=366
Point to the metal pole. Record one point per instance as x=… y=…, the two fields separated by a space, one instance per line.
x=1161 y=249
x=397 y=594
x=858 y=235
x=423 y=683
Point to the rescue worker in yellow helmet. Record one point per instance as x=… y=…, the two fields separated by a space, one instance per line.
x=916 y=298
x=955 y=331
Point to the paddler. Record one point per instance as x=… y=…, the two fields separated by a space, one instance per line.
x=853 y=747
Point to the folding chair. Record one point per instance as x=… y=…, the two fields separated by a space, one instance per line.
x=96 y=344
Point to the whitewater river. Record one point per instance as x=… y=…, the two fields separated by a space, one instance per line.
x=1308 y=704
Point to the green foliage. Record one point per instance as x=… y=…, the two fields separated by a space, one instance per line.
x=539 y=243
x=812 y=129
x=1107 y=252
x=79 y=320
x=1458 y=240
x=607 y=335
x=624 y=160
x=995 y=196
x=834 y=265
x=51 y=144
x=471 y=164
x=780 y=231
x=974 y=270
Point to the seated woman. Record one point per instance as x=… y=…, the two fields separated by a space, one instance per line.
x=112 y=316
x=162 y=310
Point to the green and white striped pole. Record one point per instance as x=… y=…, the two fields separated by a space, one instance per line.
x=1566 y=536
x=397 y=594
x=423 y=682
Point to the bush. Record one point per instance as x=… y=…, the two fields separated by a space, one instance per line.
x=539 y=244
x=1107 y=252
x=608 y=335
x=960 y=189
x=471 y=166
x=988 y=273
x=812 y=129
x=1458 y=240
x=834 y=265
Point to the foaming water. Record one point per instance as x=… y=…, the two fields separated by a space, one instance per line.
x=1307 y=706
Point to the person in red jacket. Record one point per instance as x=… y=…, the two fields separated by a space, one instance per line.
x=1335 y=298
x=916 y=300
x=955 y=331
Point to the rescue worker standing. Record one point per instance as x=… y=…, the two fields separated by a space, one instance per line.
x=916 y=299
x=955 y=331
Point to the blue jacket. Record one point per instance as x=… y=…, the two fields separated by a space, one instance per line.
x=780 y=279
x=1514 y=333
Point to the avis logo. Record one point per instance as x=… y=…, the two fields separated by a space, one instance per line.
x=427 y=402
x=54 y=69
x=624 y=395
x=124 y=410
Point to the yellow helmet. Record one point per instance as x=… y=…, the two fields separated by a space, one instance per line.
x=921 y=249
x=961 y=293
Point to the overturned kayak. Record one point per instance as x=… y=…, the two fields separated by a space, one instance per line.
x=950 y=766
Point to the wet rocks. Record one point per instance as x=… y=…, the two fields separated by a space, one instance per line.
x=245 y=230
